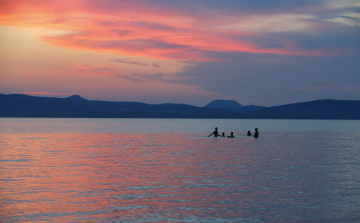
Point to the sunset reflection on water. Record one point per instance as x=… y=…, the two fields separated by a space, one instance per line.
x=165 y=177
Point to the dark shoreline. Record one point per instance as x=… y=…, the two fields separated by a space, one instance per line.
x=25 y=106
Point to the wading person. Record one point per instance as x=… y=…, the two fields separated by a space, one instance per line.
x=231 y=135
x=215 y=133
x=256 y=133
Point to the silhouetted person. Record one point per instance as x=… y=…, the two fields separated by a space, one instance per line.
x=256 y=133
x=215 y=133
x=249 y=133
x=223 y=134
x=231 y=135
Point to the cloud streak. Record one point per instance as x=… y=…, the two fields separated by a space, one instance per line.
x=129 y=62
x=86 y=69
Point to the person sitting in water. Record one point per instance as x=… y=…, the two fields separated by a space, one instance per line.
x=215 y=133
x=223 y=134
x=256 y=133
x=231 y=135
x=249 y=133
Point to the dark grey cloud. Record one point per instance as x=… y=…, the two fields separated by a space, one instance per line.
x=129 y=62
x=345 y=38
x=132 y=44
x=134 y=63
x=120 y=32
x=133 y=24
x=241 y=5
x=144 y=78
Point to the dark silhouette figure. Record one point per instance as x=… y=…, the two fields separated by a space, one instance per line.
x=249 y=133
x=215 y=133
x=256 y=133
x=231 y=135
x=223 y=134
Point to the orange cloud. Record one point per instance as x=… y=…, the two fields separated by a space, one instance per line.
x=145 y=29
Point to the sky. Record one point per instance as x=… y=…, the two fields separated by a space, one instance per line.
x=256 y=52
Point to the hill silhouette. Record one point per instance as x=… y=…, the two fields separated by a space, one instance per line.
x=319 y=109
x=18 y=105
x=220 y=103
x=232 y=106
x=76 y=97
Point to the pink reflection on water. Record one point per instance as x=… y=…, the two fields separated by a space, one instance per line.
x=155 y=177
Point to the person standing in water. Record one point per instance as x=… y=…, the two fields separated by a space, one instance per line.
x=215 y=133
x=249 y=133
x=231 y=135
x=223 y=134
x=256 y=133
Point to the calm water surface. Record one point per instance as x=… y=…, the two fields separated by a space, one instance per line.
x=168 y=170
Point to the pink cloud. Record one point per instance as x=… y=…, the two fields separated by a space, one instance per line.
x=142 y=28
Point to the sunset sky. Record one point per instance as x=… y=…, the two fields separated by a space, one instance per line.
x=256 y=52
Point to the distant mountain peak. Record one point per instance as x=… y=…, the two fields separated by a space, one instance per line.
x=76 y=97
x=220 y=103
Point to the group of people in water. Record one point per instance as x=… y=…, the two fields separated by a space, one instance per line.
x=216 y=133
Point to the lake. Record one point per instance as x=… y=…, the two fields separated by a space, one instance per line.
x=168 y=170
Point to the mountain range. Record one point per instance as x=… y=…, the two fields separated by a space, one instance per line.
x=19 y=105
